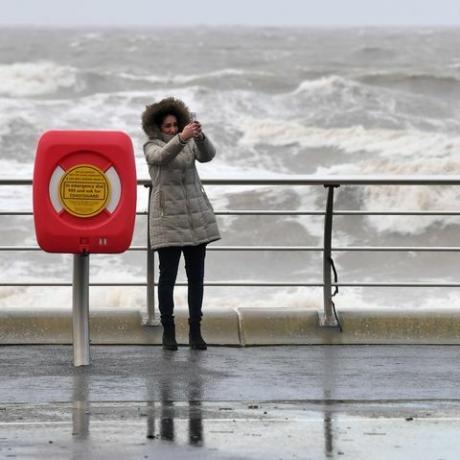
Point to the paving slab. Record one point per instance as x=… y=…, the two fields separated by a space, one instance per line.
x=318 y=402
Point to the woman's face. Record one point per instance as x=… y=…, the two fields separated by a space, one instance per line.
x=169 y=125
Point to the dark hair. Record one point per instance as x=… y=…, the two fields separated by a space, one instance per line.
x=153 y=115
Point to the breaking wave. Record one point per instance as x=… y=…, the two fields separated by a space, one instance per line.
x=24 y=79
x=355 y=139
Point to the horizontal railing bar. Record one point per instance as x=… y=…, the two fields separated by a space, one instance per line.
x=6 y=181
x=291 y=213
x=37 y=248
x=16 y=213
x=338 y=180
x=210 y=283
x=308 y=180
x=336 y=213
x=398 y=249
x=396 y=213
x=19 y=248
x=211 y=248
x=402 y=284
x=30 y=213
x=242 y=284
x=68 y=284
x=264 y=248
x=293 y=284
x=339 y=249
x=285 y=248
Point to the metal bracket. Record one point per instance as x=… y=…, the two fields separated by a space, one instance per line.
x=150 y=322
x=325 y=321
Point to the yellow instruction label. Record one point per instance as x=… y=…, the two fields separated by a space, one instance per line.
x=84 y=191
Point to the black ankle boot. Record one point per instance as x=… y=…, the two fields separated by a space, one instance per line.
x=195 y=340
x=169 y=336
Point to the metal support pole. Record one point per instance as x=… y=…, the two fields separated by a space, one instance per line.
x=151 y=320
x=80 y=306
x=328 y=318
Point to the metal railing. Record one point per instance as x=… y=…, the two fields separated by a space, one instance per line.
x=328 y=317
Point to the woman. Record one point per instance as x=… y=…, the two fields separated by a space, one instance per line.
x=181 y=217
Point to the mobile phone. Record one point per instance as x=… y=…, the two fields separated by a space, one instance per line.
x=193 y=115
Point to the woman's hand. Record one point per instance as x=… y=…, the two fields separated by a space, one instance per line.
x=191 y=130
x=198 y=134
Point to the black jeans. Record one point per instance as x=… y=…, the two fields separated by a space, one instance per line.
x=194 y=267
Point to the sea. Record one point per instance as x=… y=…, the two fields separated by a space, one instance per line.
x=275 y=102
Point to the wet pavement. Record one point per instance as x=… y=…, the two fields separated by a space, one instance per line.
x=309 y=402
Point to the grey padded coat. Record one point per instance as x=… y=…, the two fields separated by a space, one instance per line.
x=180 y=212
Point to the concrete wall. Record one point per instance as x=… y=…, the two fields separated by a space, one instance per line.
x=239 y=327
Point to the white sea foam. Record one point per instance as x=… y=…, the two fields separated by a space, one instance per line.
x=61 y=298
x=339 y=92
x=329 y=83
x=405 y=198
x=23 y=79
x=335 y=101
x=291 y=298
x=355 y=139
x=181 y=79
x=455 y=64
x=131 y=297
x=12 y=169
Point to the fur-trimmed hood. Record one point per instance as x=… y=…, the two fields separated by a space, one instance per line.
x=153 y=115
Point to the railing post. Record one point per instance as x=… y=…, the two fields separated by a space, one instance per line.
x=328 y=318
x=151 y=320
x=80 y=307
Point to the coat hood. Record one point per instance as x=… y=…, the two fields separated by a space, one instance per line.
x=153 y=115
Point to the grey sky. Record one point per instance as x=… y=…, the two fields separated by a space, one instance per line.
x=244 y=12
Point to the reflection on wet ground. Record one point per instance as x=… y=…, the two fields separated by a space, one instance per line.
x=185 y=405
x=229 y=430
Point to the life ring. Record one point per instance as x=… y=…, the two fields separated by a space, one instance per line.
x=84 y=190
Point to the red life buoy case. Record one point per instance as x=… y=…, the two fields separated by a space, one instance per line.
x=84 y=191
